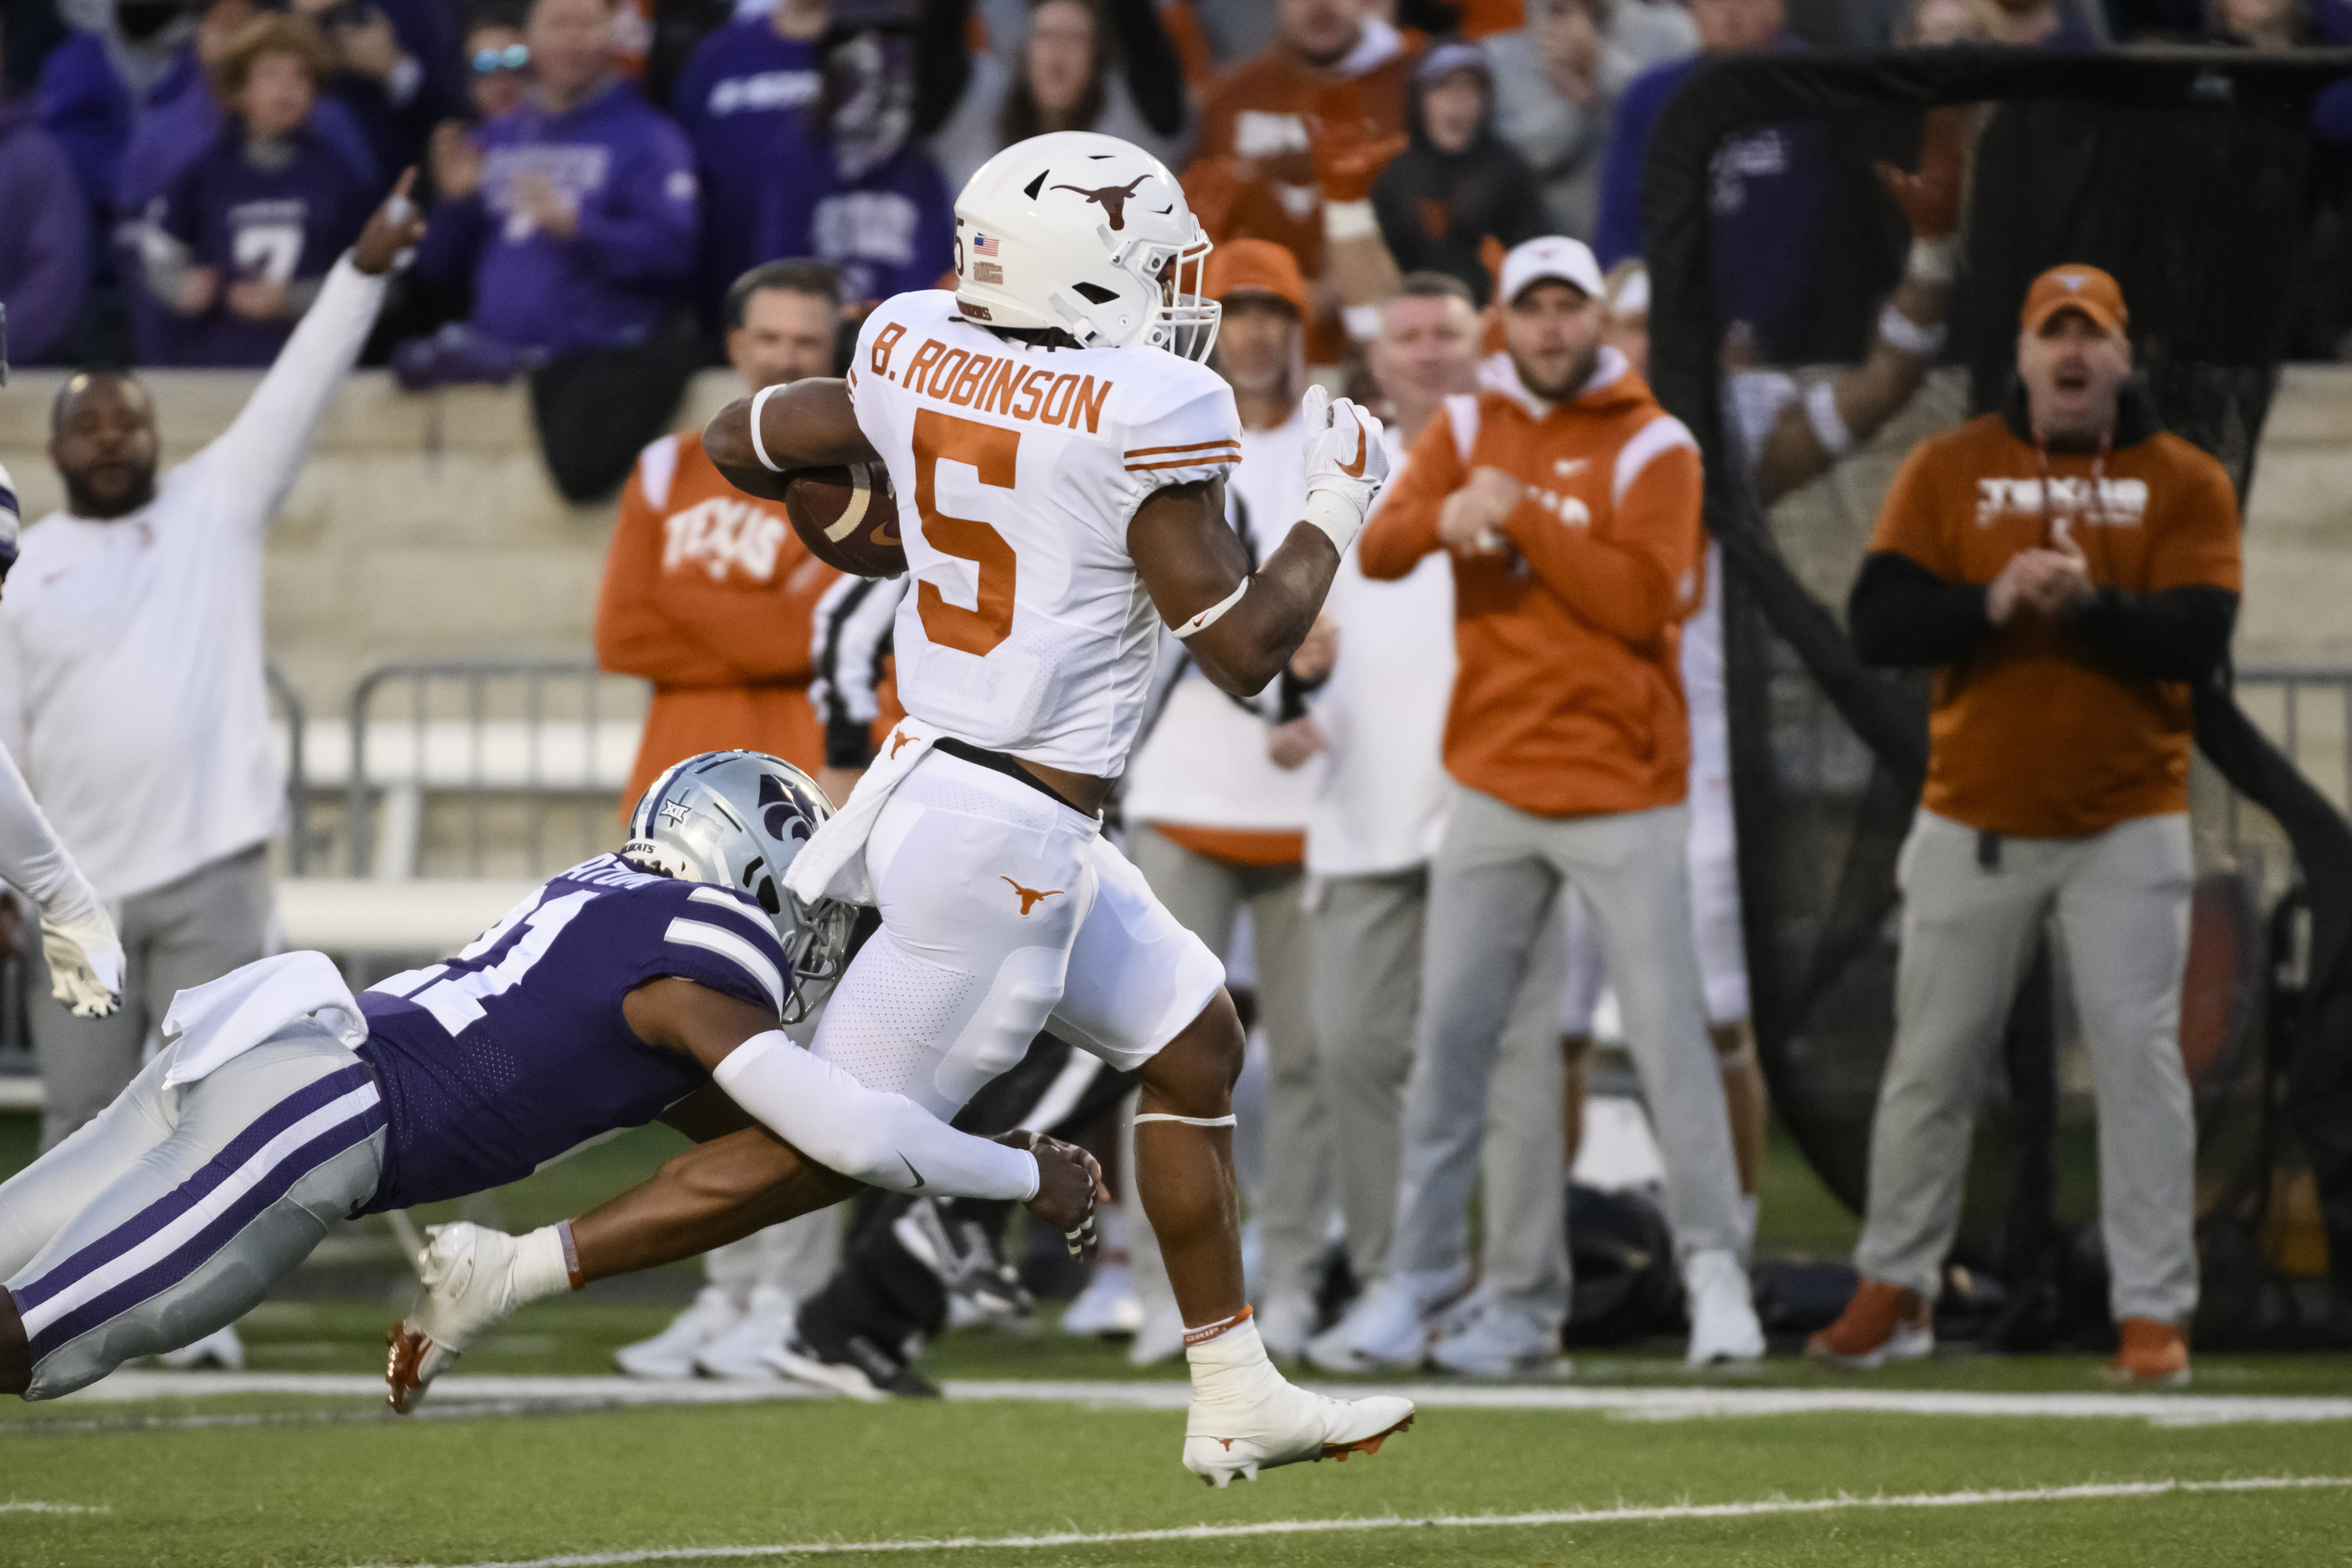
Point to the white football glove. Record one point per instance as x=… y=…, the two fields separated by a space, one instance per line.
x=1347 y=464
x=85 y=964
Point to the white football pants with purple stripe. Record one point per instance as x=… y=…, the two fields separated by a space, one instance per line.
x=172 y=1212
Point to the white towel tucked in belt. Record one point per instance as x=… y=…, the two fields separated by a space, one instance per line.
x=221 y=1020
x=833 y=863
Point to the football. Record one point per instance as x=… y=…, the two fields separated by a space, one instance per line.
x=848 y=517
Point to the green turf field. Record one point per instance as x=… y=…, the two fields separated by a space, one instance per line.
x=307 y=1481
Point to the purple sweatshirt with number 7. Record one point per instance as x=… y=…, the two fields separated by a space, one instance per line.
x=630 y=174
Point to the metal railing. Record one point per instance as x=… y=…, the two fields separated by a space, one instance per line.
x=534 y=739
x=2306 y=711
x=298 y=785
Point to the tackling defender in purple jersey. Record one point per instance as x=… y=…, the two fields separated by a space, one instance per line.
x=649 y=984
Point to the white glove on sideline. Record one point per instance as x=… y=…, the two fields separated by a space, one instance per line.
x=85 y=963
x=1347 y=464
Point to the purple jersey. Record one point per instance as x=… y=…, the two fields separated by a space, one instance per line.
x=515 y=1053
x=285 y=225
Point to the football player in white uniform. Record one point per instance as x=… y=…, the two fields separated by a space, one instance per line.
x=1058 y=454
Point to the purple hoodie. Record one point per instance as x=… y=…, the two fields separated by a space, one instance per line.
x=45 y=257
x=616 y=281
x=90 y=109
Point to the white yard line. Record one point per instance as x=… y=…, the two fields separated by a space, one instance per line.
x=1760 y=1509
x=1651 y=1404
x=14 y=1506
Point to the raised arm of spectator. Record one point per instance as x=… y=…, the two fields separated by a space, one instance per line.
x=1642 y=576
x=253 y=463
x=1155 y=75
x=1814 y=432
x=644 y=227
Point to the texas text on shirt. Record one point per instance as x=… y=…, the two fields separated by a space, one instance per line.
x=709 y=594
x=2033 y=734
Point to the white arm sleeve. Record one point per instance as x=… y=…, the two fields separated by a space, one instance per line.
x=886 y=1140
x=31 y=857
x=253 y=464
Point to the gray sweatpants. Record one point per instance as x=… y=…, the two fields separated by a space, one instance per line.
x=2121 y=903
x=1206 y=896
x=1493 y=893
x=172 y=1213
x=175 y=937
x=1368 y=933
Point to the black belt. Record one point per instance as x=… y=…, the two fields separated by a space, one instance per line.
x=1004 y=762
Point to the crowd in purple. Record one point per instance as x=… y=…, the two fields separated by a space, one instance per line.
x=178 y=176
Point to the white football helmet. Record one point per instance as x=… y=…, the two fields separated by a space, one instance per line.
x=1087 y=234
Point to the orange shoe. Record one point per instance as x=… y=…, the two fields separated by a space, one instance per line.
x=1882 y=1323
x=2154 y=1354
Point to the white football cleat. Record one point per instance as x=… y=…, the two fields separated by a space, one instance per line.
x=741 y=1353
x=1498 y=1341
x=469 y=1281
x=1723 y=1317
x=221 y=1349
x=671 y=1353
x=1283 y=1424
x=1106 y=1306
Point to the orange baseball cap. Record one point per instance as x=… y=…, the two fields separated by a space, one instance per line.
x=1256 y=266
x=2072 y=288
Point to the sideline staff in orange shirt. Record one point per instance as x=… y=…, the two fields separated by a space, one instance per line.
x=1571 y=502
x=2070 y=570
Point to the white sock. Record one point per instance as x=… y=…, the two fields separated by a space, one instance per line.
x=538 y=1268
x=1232 y=1365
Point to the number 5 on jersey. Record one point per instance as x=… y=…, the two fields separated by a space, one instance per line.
x=990 y=450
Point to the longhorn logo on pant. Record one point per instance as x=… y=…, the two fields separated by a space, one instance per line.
x=1030 y=897
x=1111 y=199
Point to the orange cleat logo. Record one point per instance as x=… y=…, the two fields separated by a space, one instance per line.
x=1030 y=897
x=899 y=737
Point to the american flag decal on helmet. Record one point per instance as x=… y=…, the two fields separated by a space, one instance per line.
x=984 y=245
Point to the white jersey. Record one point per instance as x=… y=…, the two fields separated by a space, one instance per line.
x=1017 y=470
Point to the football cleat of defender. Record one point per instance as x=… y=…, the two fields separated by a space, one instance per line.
x=1245 y=1417
x=471 y=1279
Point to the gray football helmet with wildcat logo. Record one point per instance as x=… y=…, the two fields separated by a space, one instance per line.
x=736 y=818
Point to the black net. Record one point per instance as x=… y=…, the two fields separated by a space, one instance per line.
x=2187 y=176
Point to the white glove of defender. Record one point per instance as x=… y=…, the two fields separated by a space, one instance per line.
x=85 y=963
x=1347 y=464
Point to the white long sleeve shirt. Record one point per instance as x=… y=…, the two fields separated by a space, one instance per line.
x=1204 y=763
x=32 y=859
x=131 y=686
x=1381 y=805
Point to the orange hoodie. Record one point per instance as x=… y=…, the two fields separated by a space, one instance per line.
x=710 y=595
x=1569 y=700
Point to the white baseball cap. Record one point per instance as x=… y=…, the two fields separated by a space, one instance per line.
x=1553 y=256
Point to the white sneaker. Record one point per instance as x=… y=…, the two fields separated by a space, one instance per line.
x=1245 y=1417
x=1723 y=1318
x=1330 y=1351
x=1500 y=1343
x=471 y=1278
x=1158 y=1336
x=1389 y=1325
x=670 y=1354
x=1106 y=1306
x=221 y=1349
x=743 y=1351
x=1286 y=1323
